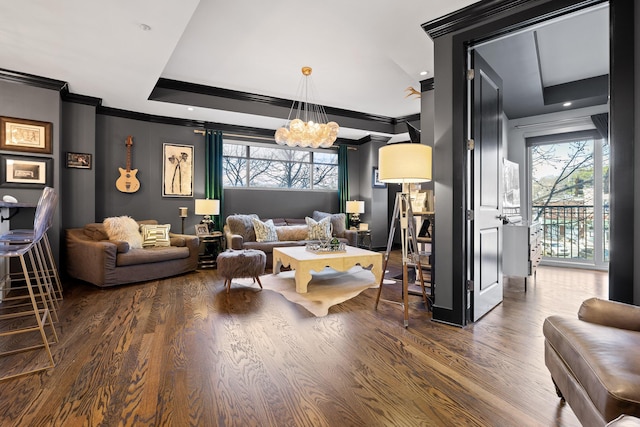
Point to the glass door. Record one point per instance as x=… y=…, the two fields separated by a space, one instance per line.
x=569 y=182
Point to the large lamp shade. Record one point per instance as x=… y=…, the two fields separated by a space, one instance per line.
x=207 y=207
x=354 y=206
x=404 y=162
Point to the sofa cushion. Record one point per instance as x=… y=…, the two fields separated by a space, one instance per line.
x=123 y=228
x=95 y=231
x=151 y=255
x=292 y=232
x=265 y=231
x=155 y=235
x=243 y=226
x=338 y=221
x=318 y=230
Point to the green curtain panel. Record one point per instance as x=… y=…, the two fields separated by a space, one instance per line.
x=343 y=178
x=213 y=186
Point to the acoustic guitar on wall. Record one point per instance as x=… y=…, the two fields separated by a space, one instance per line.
x=128 y=183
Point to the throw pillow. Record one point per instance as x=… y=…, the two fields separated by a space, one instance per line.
x=155 y=235
x=243 y=226
x=265 y=231
x=123 y=228
x=338 y=221
x=318 y=230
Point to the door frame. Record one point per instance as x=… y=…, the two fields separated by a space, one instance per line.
x=492 y=18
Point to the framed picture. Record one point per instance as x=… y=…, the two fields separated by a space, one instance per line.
x=25 y=172
x=24 y=135
x=177 y=170
x=375 y=179
x=202 y=230
x=79 y=160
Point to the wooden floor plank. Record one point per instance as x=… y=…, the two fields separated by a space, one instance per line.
x=182 y=351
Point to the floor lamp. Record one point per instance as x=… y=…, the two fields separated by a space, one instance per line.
x=404 y=163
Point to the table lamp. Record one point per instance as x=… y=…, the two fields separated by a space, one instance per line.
x=354 y=208
x=403 y=163
x=207 y=207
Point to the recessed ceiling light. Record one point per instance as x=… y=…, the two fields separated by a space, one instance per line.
x=190 y=108
x=145 y=27
x=566 y=104
x=424 y=73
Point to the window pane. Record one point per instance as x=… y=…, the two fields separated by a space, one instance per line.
x=325 y=177
x=279 y=174
x=327 y=158
x=280 y=154
x=234 y=172
x=234 y=150
x=563 y=197
x=249 y=165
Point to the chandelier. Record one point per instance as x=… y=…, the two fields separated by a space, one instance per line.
x=310 y=128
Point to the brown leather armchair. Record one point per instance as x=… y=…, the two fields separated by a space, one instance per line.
x=594 y=360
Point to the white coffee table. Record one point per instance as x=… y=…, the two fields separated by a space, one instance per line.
x=304 y=262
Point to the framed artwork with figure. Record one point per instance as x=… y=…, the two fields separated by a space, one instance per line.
x=177 y=170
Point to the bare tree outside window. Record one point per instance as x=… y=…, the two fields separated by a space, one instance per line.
x=563 y=196
x=279 y=167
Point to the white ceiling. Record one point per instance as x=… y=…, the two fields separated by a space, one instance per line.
x=364 y=53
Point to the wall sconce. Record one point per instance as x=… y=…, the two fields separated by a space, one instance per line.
x=354 y=208
x=207 y=207
x=183 y=214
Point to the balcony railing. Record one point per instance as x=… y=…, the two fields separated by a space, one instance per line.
x=569 y=231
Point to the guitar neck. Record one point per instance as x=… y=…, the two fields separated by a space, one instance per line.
x=129 y=144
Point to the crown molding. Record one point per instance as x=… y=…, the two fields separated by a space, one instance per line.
x=31 y=80
x=79 y=99
x=181 y=86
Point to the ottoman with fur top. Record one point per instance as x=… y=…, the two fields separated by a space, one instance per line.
x=234 y=264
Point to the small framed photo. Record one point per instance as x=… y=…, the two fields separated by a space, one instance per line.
x=375 y=179
x=25 y=172
x=79 y=160
x=202 y=230
x=24 y=135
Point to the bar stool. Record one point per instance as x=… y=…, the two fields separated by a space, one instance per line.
x=43 y=257
x=38 y=306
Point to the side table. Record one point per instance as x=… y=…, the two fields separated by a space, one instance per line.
x=363 y=239
x=210 y=246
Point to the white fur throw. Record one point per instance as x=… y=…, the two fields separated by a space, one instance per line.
x=123 y=228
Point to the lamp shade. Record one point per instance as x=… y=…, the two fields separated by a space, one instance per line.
x=404 y=162
x=355 y=206
x=207 y=207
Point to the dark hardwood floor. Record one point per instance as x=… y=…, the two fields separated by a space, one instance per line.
x=181 y=352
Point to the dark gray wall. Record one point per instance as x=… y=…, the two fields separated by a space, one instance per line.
x=279 y=204
x=146 y=156
x=34 y=103
x=78 y=185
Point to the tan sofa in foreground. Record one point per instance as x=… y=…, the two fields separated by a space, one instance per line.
x=594 y=360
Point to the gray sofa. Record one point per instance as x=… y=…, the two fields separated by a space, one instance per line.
x=92 y=257
x=240 y=234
